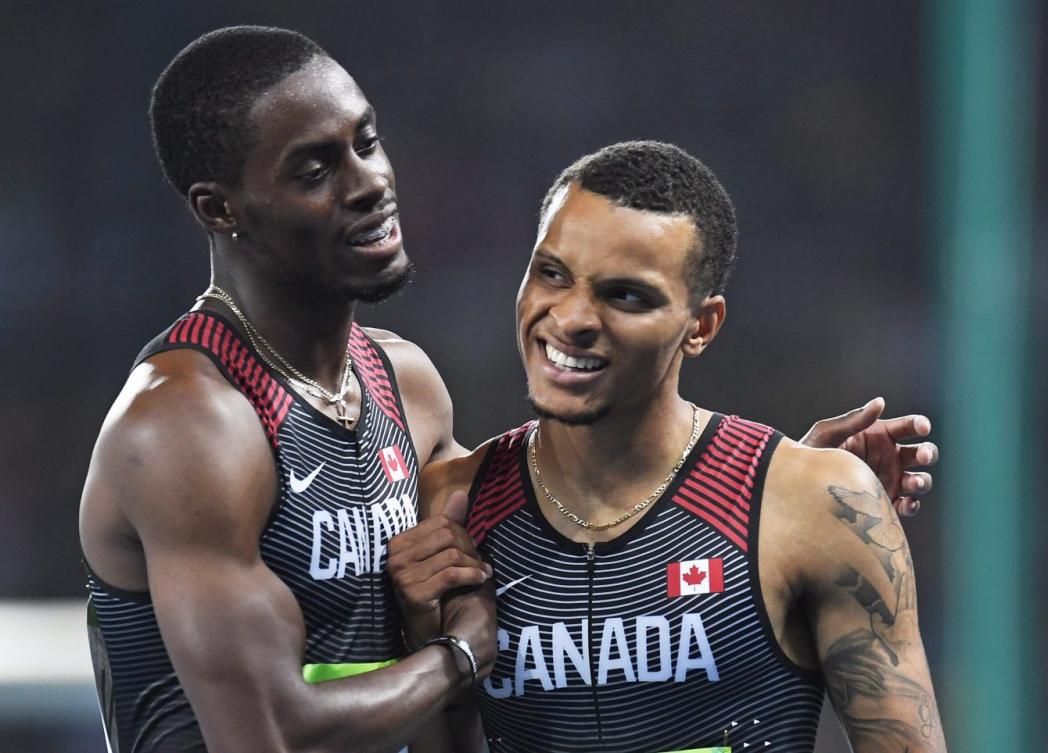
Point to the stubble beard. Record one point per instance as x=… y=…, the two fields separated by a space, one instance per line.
x=578 y=418
x=309 y=286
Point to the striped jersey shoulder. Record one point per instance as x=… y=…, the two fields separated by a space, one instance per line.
x=373 y=368
x=498 y=489
x=240 y=364
x=722 y=486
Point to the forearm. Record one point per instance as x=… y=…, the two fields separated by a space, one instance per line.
x=467 y=731
x=378 y=711
x=883 y=695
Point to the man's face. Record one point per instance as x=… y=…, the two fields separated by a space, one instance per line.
x=317 y=197
x=603 y=308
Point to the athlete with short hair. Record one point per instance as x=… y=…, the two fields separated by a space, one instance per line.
x=250 y=476
x=265 y=449
x=670 y=578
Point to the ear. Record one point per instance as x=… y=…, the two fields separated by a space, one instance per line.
x=209 y=202
x=704 y=326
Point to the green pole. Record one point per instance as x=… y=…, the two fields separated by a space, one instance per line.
x=982 y=74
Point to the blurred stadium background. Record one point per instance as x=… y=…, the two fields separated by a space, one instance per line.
x=888 y=164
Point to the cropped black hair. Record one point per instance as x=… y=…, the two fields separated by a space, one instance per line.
x=659 y=177
x=200 y=104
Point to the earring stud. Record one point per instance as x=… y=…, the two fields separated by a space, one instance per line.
x=235 y=236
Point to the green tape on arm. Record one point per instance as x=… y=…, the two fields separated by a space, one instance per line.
x=314 y=673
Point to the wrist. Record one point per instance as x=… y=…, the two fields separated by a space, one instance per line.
x=462 y=654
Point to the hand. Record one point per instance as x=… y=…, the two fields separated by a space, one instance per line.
x=877 y=443
x=469 y=613
x=427 y=561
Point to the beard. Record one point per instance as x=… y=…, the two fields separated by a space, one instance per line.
x=578 y=418
x=320 y=290
x=385 y=286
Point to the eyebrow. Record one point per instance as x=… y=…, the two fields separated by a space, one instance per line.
x=549 y=256
x=367 y=118
x=637 y=282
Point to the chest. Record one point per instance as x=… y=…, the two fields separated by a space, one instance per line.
x=343 y=496
x=658 y=610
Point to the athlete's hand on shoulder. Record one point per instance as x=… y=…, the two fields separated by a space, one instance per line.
x=428 y=561
x=880 y=444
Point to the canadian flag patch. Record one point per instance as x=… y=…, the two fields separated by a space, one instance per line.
x=695 y=577
x=393 y=463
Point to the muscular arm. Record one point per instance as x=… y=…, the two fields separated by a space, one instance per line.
x=192 y=471
x=861 y=602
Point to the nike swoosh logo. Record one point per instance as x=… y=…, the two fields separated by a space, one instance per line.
x=508 y=586
x=299 y=485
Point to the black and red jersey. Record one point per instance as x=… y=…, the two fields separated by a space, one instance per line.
x=343 y=493
x=656 y=641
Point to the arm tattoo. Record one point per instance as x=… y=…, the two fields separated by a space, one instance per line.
x=862 y=668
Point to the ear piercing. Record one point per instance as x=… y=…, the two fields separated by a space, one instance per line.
x=235 y=236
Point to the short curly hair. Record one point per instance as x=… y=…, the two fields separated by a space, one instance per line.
x=200 y=104
x=659 y=177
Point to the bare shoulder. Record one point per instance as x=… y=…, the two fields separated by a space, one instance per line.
x=181 y=448
x=441 y=478
x=409 y=361
x=823 y=506
x=426 y=399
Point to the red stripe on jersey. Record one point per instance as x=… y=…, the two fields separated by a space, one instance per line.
x=269 y=398
x=731 y=535
x=205 y=338
x=372 y=372
x=720 y=486
x=504 y=493
x=719 y=512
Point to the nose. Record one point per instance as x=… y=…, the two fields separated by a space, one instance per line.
x=366 y=182
x=576 y=315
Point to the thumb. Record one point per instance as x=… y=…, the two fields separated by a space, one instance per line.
x=457 y=506
x=832 y=432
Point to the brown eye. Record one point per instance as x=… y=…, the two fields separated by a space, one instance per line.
x=314 y=171
x=369 y=144
x=628 y=298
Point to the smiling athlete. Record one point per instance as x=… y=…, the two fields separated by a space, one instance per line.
x=670 y=578
x=266 y=448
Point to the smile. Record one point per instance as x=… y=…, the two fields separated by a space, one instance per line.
x=573 y=363
x=375 y=235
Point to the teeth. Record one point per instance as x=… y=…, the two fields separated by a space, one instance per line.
x=375 y=234
x=573 y=362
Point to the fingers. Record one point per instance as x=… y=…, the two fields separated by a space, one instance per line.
x=457 y=507
x=436 y=556
x=916 y=483
x=832 y=432
x=906 y=507
x=923 y=454
x=431 y=536
x=907 y=427
x=447 y=559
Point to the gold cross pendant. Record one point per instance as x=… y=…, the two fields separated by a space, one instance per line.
x=342 y=417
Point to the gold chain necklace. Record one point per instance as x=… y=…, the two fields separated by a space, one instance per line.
x=289 y=372
x=642 y=505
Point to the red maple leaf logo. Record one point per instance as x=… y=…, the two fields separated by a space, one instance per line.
x=693 y=577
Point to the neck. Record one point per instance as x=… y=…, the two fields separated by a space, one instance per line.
x=310 y=336
x=605 y=468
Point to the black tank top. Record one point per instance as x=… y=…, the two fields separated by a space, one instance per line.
x=342 y=495
x=655 y=641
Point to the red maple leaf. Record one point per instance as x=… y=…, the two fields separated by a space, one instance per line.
x=693 y=577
